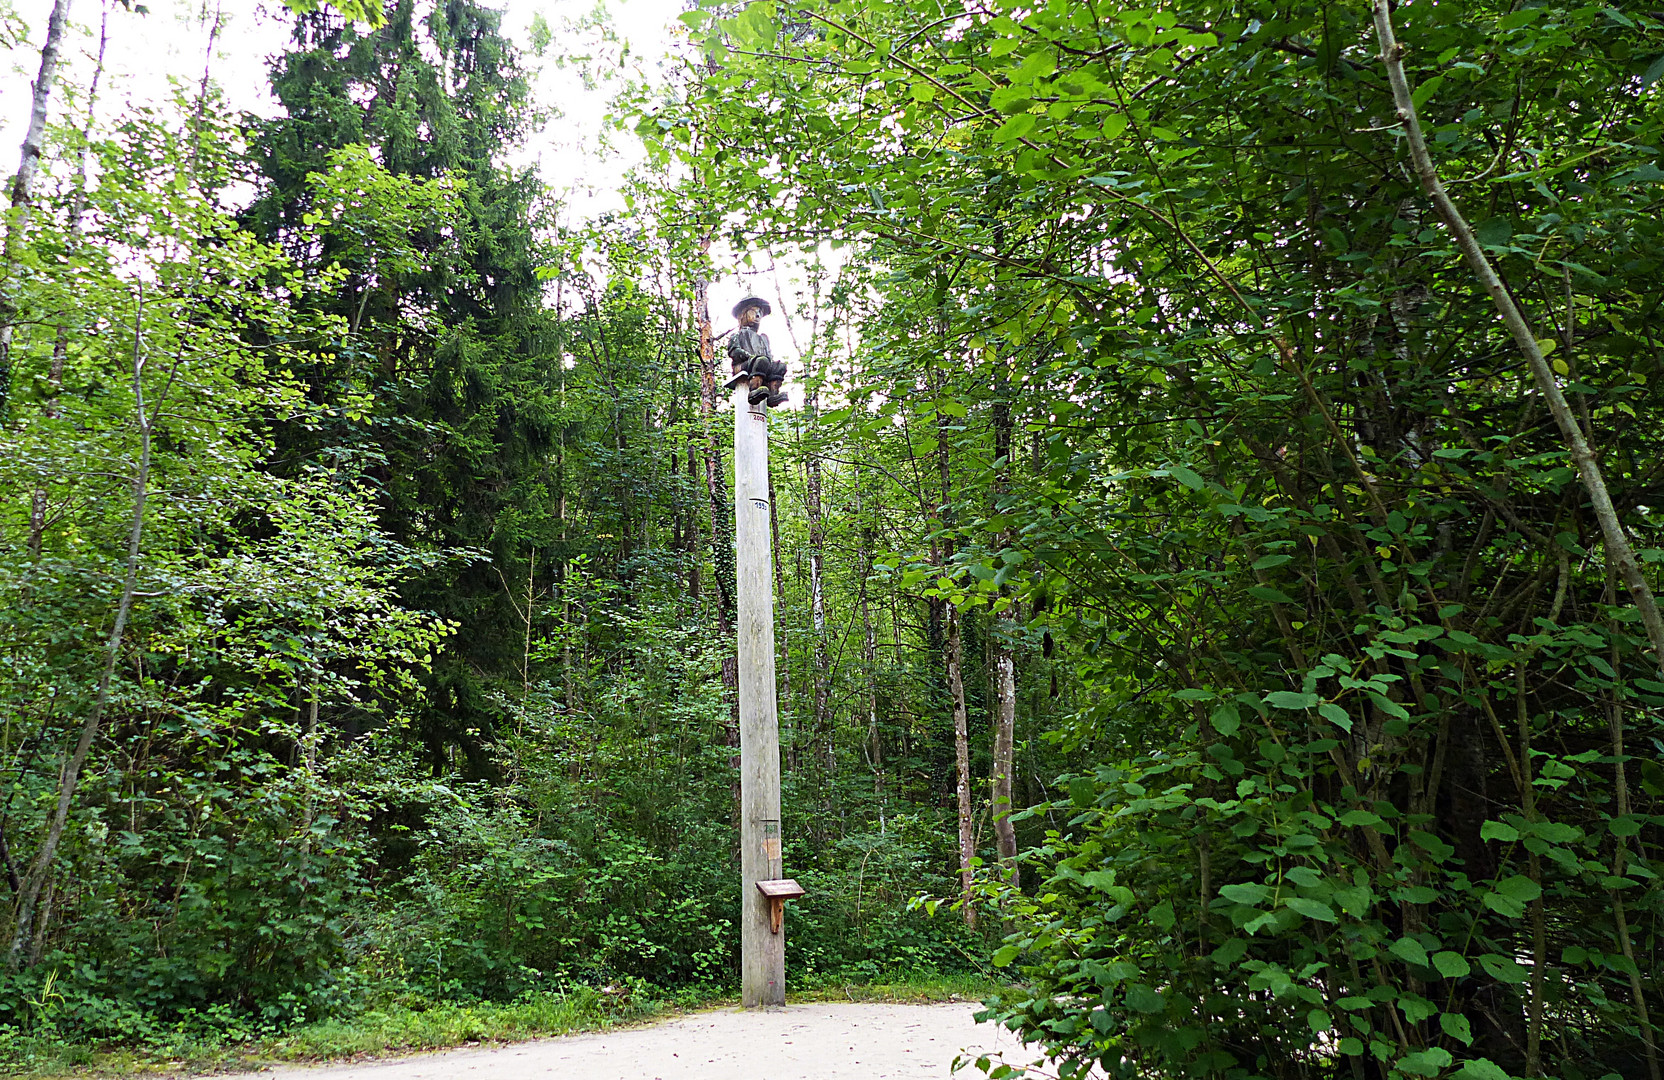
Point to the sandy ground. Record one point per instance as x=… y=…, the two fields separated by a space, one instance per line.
x=799 y=1042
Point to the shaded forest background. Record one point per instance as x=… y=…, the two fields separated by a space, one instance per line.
x=1200 y=597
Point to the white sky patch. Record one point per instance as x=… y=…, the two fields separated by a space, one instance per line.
x=148 y=55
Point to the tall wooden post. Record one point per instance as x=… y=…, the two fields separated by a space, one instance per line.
x=762 y=949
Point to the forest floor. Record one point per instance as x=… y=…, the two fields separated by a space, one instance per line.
x=819 y=1041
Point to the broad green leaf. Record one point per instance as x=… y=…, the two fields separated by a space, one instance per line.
x=1430 y=1062
x=1410 y=951
x=1457 y=1027
x=1653 y=72
x=1519 y=887
x=1144 y=998
x=1503 y=968
x=1451 y=965
x=1016 y=127
x=1496 y=830
x=1311 y=909
x=1186 y=477
x=1251 y=893
x=1335 y=715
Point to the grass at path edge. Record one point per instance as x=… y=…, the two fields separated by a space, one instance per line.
x=413 y=1026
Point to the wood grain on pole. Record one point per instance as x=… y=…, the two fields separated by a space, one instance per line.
x=762 y=951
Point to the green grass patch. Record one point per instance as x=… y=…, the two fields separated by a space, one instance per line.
x=901 y=990
x=407 y=1025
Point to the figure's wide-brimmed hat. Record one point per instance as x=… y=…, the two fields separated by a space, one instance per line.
x=752 y=301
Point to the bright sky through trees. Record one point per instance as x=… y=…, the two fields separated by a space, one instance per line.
x=594 y=49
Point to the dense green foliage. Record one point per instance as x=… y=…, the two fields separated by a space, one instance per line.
x=1372 y=734
x=406 y=687
x=1148 y=416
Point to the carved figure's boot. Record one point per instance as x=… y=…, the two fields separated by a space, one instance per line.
x=759 y=392
x=776 y=396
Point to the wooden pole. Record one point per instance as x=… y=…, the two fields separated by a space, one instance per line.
x=762 y=948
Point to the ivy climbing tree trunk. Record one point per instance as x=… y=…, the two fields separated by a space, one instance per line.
x=722 y=534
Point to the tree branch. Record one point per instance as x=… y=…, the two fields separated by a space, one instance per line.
x=1618 y=548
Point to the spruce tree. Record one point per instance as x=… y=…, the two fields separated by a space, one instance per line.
x=446 y=336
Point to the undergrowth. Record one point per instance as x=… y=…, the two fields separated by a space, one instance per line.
x=410 y=1024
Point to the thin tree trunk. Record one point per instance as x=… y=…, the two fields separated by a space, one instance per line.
x=201 y=110
x=1005 y=710
x=569 y=678
x=1539 y=942
x=1004 y=665
x=784 y=648
x=693 y=554
x=1620 y=859
x=40 y=871
x=817 y=594
x=869 y=661
x=43 y=918
x=77 y=224
x=962 y=762
x=817 y=591
x=722 y=534
x=23 y=187
x=12 y=880
x=955 y=661
x=1618 y=547
x=309 y=761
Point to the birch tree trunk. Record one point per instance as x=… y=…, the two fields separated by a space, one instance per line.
x=23 y=187
x=962 y=762
x=77 y=225
x=40 y=870
x=1003 y=664
x=955 y=657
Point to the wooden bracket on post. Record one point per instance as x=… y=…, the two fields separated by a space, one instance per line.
x=778 y=892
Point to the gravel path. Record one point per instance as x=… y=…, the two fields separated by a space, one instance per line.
x=799 y=1042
